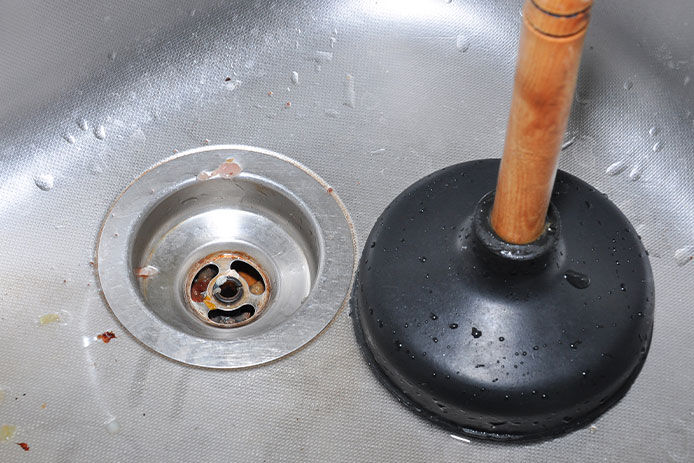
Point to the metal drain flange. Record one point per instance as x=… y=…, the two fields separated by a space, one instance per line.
x=226 y=256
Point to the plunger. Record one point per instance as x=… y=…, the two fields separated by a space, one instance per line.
x=517 y=312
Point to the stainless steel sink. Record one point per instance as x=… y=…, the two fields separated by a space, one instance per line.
x=371 y=95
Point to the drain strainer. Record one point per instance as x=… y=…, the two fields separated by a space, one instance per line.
x=227 y=289
x=226 y=256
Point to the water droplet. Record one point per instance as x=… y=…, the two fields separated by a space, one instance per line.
x=433 y=316
x=113 y=426
x=45 y=182
x=616 y=168
x=422 y=259
x=657 y=146
x=332 y=42
x=684 y=255
x=577 y=279
x=635 y=173
x=322 y=57
x=230 y=84
x=653 y=131
x=69 y=138
x=349 y=95
x=502 y=339
x=628 y=84
x=568 y=142
x=476 y=333
x=83 y=124
x=686 y=81
x=100 y=132
x=453 y=326
x=373 y=244
x=295 y=78
x=622 y=287
x=462 y=43
x=332 y=114
x=575 y=344
x=435 y=339
x=536 y=347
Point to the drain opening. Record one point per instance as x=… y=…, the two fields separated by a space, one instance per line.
x=198 y=288
x=251 y=275
x=227 y=289
x=228 y=317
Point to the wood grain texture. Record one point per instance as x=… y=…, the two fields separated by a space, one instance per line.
x=549 y=56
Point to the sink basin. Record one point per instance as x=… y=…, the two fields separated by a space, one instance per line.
x=371 y=96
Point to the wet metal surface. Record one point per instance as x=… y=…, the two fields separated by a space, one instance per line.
x=94 y=93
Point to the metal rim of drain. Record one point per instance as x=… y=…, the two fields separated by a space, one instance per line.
x=274 y=242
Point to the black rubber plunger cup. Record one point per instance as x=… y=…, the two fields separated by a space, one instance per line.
x=482 y=321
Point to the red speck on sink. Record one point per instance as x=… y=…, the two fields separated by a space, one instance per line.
x=106 y=336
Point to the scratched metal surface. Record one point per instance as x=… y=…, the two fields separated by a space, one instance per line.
x=430 y=86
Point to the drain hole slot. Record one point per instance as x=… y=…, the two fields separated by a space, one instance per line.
x=251 y=275
x=232 y=317
x=198 y=288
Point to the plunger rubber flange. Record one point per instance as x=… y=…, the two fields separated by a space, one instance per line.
x=499 y=341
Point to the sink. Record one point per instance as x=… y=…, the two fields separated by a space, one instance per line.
x=369 y=95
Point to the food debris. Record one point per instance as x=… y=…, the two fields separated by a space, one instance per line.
x=200 y=284
x=146 y=272
x=106 y=336
x=44 y=405
x=288 y=104
x=254 y=285
x=330 y=190
x=593 y=428
x=7 y=431
x=49 y=318
x=257 y=288
x=24 y=446
x=206 y=141
x=227 y=169
x=91 y=263
x=227 y=79
x=269 y=93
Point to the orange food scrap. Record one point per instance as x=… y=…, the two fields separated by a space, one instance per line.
x=24 y=446
x=106 y=336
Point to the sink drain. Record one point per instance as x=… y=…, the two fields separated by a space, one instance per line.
x=227 y=289
x=226 y=256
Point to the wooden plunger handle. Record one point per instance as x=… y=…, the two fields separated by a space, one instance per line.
x=549 y=54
